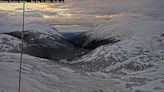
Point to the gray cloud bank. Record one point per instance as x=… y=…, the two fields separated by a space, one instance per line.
x=85 y=11
x=107 y=7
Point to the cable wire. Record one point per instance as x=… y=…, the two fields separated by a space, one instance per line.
x=21 y=56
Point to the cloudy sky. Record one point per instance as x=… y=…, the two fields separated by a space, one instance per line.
x=85 y=11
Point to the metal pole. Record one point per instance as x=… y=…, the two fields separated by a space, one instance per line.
x=20 y=65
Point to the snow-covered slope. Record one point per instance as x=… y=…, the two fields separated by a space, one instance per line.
x=45 y=45
x=136 y=35
x=143 y=72
x=41 y=75
x=137 y=59
x=9 y=43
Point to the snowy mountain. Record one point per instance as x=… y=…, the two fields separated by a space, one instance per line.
x=132 y=36
x=136 y=59
x=44 y=45
x=43 y=41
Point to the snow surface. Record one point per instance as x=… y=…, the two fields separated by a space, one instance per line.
x=41 y=75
